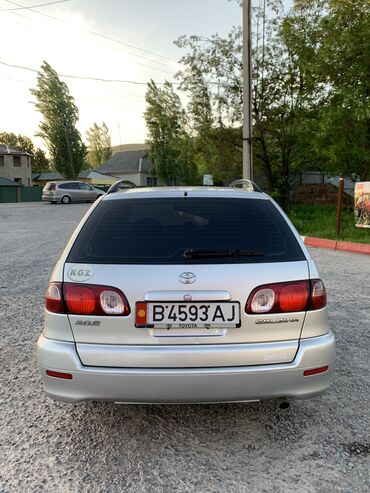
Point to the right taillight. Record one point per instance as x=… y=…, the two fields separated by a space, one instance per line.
x=318 y=294
x=287 y=297
x=86 y=299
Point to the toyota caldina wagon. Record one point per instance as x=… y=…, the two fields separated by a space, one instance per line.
x=171 y=295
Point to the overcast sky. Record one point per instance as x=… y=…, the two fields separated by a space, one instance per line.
x=27 y=38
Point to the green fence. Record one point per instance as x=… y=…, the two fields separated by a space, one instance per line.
x=8 y=194
x=31 y=194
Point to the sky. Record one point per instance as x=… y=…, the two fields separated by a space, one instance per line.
x=58 y=34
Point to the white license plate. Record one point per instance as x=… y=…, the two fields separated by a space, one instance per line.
x=193 y=315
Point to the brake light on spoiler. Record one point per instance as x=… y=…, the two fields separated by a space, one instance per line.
x=86 y=299
x=284 y=297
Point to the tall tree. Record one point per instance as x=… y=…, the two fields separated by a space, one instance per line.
x=340 y=62
x=58 y=128
x=40 y=163
x=170 y=147
x=99 y=145
x=20 y=142
x=283 y=100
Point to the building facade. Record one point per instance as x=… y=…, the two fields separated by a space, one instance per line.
x=15 y=165
x=132 y=166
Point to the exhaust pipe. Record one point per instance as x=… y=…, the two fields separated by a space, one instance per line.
x=284 y=405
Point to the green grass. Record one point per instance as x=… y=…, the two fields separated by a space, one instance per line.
x=319 y=221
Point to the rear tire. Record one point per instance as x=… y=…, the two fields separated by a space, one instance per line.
x=66 y=199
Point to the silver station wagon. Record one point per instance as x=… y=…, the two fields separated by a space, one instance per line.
x=173 y=295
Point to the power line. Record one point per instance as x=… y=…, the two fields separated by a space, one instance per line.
x=124 y=51
x=32 y=6
x=115 y=91
x=104 y=36
x=82 y=77
x=99 y=79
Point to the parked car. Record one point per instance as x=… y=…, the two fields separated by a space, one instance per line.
x=185 y=295
x=70 y=191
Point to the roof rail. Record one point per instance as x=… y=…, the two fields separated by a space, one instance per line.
x=248 y=184
x=119 y=185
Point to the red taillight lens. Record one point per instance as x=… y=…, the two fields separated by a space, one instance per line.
x=318 y=294
x=285 y=297
x=79 y=299
x=54 y=300
x=294 y=297
x=86 y=299
x=279 y=297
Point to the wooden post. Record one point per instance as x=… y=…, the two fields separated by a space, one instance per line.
x=18 y=194
x=339 y=206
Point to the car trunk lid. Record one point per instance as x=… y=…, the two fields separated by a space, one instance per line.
x=128 y=343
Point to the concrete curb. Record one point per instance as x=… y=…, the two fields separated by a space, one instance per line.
x=344 y=246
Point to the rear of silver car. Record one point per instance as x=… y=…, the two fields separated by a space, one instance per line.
x=185 y=295
x=70 y=191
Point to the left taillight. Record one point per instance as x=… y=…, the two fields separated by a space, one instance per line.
x=54 y=299
x=86 y=299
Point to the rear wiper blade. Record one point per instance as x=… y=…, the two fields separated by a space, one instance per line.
x=194 y=253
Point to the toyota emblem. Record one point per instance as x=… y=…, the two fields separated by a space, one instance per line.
x=187 y=278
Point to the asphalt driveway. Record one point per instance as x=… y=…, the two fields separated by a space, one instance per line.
x=319 y=445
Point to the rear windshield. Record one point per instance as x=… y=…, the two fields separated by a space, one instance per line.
x=161 y=231
x=50 y=186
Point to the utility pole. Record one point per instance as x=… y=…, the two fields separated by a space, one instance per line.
x=247 y=91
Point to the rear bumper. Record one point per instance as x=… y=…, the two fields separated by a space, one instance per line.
x=180 y=385
x=48 y=198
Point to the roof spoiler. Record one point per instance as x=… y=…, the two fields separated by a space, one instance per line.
x=249 y=185
x=119 y=186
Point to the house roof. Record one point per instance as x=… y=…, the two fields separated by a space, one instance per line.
x=127 y=162
x=91 y=173
x=51 y=176
x=55 y=176
x=9 y=150
x=5 y=182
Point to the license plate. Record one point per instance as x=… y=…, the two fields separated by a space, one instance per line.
x=188 y=315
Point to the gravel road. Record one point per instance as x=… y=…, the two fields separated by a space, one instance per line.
x=320 y=445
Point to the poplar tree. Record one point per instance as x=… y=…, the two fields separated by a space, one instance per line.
x=58 y=127
x=99 y=145
x=171 y=147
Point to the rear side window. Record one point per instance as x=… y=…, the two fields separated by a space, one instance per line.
x=50 y=186
x=159 y=231
x=69 y=186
